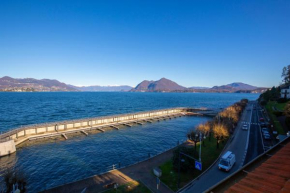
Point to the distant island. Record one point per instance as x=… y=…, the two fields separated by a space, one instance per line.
x=8 y=84
x=166 y=85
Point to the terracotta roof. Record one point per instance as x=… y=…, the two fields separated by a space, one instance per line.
x=272 y=176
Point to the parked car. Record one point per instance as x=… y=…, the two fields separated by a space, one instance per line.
x=266 y=133
x=264 y=129
x=227 y=161
x=245 y=127
x=267 y=137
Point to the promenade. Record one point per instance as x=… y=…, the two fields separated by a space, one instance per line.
x=141 y=171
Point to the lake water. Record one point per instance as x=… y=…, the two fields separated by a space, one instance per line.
x=54 y=162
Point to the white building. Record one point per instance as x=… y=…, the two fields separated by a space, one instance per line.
x=285 y=92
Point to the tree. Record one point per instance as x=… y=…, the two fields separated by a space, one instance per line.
x=204 y=129
x=193 y=135
x=220 y=132
x=286 y=74
x=14 y=177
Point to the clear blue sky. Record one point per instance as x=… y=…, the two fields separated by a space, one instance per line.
x=195 y=43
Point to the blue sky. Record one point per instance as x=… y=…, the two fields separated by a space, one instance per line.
x=195 y=43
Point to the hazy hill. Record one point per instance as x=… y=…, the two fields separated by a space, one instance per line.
x=236 y=86
x=30 y=84
x=158 y=86
x=198 y=87
x=103 y=88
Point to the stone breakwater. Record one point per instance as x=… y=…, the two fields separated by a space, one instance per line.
x=10 y=140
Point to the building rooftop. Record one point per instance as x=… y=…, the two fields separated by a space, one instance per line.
x=271 y=176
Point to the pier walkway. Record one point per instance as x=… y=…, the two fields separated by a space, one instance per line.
x=9 y=140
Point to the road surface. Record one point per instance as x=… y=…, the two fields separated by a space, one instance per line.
x=243 y=144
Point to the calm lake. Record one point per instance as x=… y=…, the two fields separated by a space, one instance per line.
x=53 y=162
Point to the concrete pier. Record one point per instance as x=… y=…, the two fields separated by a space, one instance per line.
x=20 y=135
x=115 y=127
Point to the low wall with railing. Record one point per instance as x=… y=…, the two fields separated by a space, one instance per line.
x=20 y=135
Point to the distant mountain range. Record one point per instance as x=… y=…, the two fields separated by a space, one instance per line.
x=44 y=85
x=30 y=84
x=166 y=85
x=122 y=88
x=163 y=85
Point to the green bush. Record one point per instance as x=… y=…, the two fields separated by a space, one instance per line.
x=282 y=100
x=278 y=113
x=263 y=103
x=187 y=164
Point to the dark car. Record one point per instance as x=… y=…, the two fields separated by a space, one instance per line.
x=261 y=119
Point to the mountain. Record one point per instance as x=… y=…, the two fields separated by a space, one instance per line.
x=162 y=85
x=165 y=85
x=30 y=84
x=97 y=88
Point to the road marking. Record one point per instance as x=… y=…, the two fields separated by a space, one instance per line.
x=247 y=143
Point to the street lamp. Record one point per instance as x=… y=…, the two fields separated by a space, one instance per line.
x=200 y=146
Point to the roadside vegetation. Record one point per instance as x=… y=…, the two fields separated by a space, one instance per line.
x=277 y=104
x=132 y=187
x=273 y=114
x=212 y=136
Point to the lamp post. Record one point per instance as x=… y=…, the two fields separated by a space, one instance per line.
x=200 y=146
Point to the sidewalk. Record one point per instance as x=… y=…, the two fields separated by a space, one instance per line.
x=139 y=172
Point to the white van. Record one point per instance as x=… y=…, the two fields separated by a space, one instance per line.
x=227 y=161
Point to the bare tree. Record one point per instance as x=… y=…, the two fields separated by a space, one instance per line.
x=193 y=135
x=205 y=130
x=220 y=132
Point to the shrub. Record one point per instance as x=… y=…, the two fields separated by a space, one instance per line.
x=263 y=103
x=282 y=100
x=187 y=164
x=278 y=113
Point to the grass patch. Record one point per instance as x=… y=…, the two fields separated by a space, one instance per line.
x=209 y=154
x=280 y=106
x=276 y=123
x=132 y=187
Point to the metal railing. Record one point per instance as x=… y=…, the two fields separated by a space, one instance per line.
x=7 y=134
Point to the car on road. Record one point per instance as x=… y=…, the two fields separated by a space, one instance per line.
x=264 y=129
x=245 y=127
x=227 y=161
x=261 y=119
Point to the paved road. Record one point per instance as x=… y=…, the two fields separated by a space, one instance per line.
x=256 y=146
x=238 y=146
